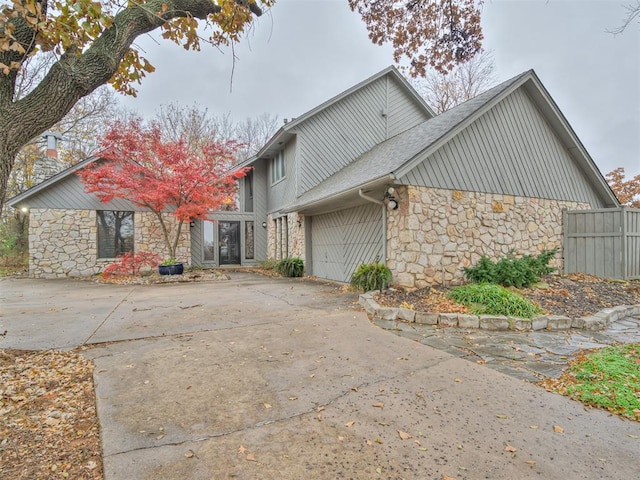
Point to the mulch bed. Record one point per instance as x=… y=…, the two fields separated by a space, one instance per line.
x=48 y=422
x=575 y=295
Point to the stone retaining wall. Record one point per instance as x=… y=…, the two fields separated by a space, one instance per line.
x=490 y=322
x=63 y=243
x=435 y=233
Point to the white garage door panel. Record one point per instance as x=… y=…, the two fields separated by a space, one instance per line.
x=342 y=240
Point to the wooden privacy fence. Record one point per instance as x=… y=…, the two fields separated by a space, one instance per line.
x=604 y=242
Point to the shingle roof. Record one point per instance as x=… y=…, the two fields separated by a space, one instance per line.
x=387 y=157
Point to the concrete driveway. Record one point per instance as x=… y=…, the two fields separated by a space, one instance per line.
x=260 y=378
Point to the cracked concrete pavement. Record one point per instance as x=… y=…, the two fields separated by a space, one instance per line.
x=276 y=378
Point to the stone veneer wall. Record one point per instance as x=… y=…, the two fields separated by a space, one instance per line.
x=294 y=236
x=63 y=243
x=435 y=233
x=148 y=236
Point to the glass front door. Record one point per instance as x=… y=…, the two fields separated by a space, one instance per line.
x=229 y=243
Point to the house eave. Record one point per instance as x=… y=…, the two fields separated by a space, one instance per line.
x=341 y=200
x=22 y=198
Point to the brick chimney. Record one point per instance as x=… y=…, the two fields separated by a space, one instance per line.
x=49 y=165
x=52 y=139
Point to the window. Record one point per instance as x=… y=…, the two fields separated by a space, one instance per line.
x=248 y=240
x=115 y=233
x=209 y=245
x=248 y=192
x=277 y=167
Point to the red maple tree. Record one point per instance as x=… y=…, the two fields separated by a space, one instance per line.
x=163 y=176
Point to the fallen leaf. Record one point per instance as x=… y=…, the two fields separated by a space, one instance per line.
x=404 y=435
x=189 y=454
x=369 y=442
x=267 y=405
x=378 y=405
x=319 y=409
x=241 y=450
x=379 y=440
x=447 y=477
x=558 y=429
x=457 y=380
x=632 y=436
x=530 y=462
x=502 y=417
x=251 y=458
x=510 y=448
x=379 y=471
x=417 y=442
x=293 y=398
x=535 y=427
x=349 y=424
x=355 y=389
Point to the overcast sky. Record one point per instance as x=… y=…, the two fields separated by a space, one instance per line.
x=304 y=52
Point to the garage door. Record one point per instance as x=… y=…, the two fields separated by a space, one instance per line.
x=342 y=240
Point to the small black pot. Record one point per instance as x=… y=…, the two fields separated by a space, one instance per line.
x=175 y=269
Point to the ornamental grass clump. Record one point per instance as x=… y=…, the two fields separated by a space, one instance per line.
x=491 y=299
x=371 y=276
x=290 y=267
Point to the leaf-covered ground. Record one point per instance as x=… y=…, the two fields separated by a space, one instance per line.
x=48 y=422
x=608 y=378
x=575 y=295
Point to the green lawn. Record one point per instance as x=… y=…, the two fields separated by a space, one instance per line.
x=608 y=378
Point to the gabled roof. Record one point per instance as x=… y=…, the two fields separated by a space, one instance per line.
x=398 y=155
x=288 y=129
x=21 y=197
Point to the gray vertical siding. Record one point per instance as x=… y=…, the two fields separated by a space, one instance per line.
x=260 y=186
x=604 y=242
x=69 y=193
x=510 y=149
x=403 y=111
x=333 y=137
x=342 y=240
x=197 y=244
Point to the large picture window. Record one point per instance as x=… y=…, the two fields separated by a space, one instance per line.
x=277 y=167
x=115 y=233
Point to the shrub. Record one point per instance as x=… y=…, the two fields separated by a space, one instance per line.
x=290 y=267
x=130 y=264
x=510 y=271
x=371 y=276
x=491 y=299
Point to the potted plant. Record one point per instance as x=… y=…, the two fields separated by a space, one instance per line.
x=171 y=266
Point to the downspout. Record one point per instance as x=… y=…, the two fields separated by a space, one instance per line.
x=384 y=221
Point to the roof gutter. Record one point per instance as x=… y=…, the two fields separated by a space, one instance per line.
x=384 y=221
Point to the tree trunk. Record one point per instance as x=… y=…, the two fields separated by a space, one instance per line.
x=78 y=74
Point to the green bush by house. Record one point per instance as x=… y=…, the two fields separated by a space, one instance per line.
x=511 y=271
x=290 y=267
x=371 y=276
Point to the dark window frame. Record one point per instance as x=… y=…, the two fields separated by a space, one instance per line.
x=119 y=236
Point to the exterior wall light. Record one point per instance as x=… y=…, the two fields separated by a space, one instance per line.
x=390 y=200
x=264 y=224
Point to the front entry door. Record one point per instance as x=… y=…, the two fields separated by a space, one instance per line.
x=229 y=243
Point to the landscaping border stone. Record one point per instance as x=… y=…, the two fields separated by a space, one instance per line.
x=597 y=321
